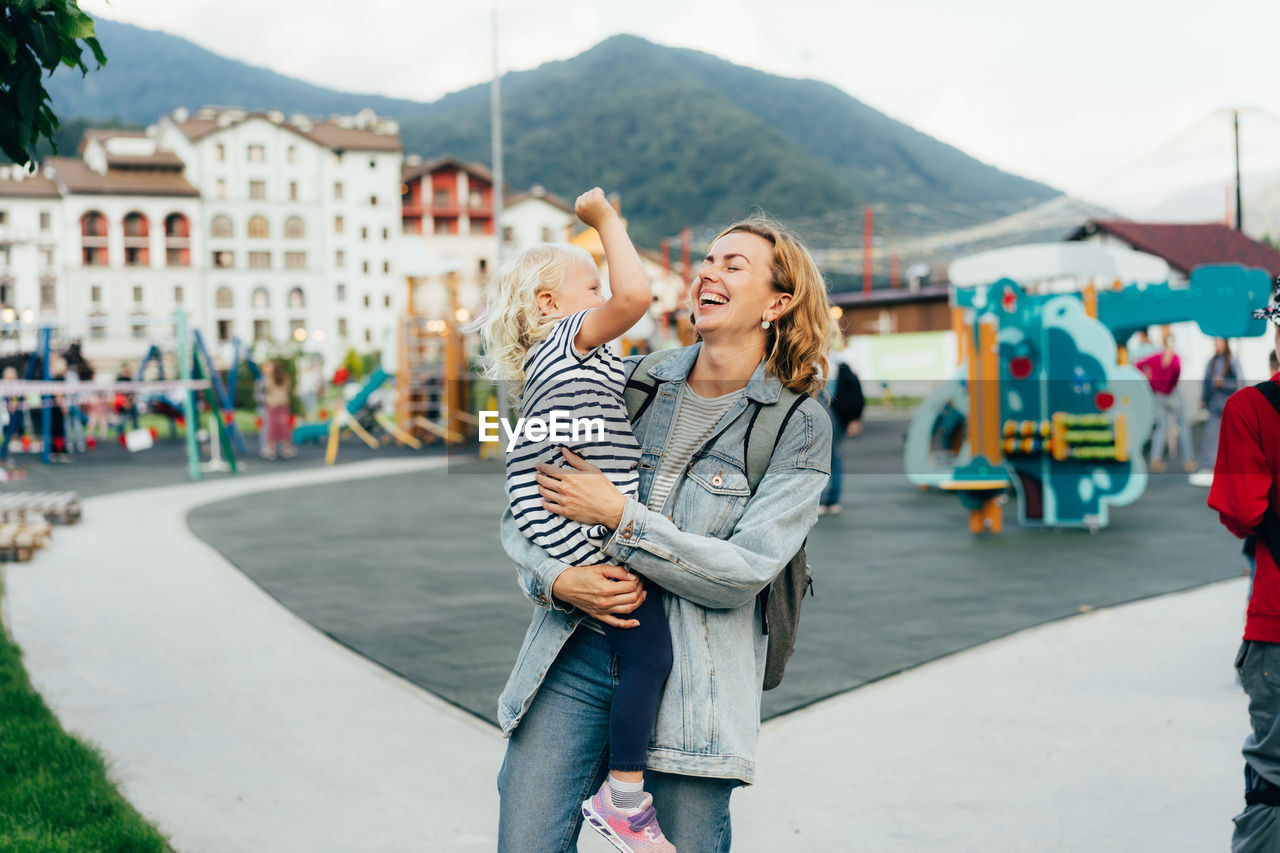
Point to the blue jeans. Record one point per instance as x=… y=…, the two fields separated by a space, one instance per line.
x=832 y=494
x=558 y=756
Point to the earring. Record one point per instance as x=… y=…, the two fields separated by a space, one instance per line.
x=765 y=324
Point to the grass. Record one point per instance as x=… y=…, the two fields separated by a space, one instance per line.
x=55 y=795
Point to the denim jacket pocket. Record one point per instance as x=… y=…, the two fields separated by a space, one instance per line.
x=716 y=491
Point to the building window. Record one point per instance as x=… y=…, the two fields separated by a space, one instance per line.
x=477 y=226
x=293 y=191
x=95 y=294
x=386 y=233
x=258 y=228
x=221 y=152
x=261 y=330
x=368 y=336
x=220 y=226
x=339 y=224
x=225 y=331
x=444 y=226
x=257 y=190
x=46 y=256
x=298 y=329
x=135 y=256
x=386 y=300
x=509 y=234
x=441 y=198
x=93 y=239
x=224 y=298
x=295 y=260
x=46 y=220
x=295 y=228
x=373 y=164
x=342 y=293
x=176 y=227
x=364 y=267
x=221 y=191
x=339 y=259
x=364 y=233
x=483 y=266
x=293 y=153
x=373 y=201
x=297 y=299
x=177 y=294
x=136 y=226
x=475 y=199
x=97 y=327
x=48 y=295
x=4 y=217
x=386 y=267
x=6 y=254
x=366 y=300
x=259 y=260
x=261 y=298
x=342 y=327
x=257 y=154
x=337 y=189
x=138 y=328
x=137 y=295
x=224 y=260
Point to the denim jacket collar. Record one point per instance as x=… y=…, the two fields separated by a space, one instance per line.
x=761 y=387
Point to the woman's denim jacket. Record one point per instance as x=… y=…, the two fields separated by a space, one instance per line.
x=712 y=548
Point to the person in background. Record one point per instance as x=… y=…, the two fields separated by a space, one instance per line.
x=126 y=405
x=1141 y=346
x=1221 y=380
x=846 y=405
x=1244 y=493
x=277 y=394
x=1162 y=371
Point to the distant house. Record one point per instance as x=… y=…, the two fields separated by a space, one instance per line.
x=1183 y=247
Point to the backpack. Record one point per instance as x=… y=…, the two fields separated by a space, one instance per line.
x=1268 y=532
x=780 y=600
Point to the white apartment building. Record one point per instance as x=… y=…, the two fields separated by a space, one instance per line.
x=301 y=226
x=31 y=280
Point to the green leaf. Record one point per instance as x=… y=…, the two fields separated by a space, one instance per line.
x=8 y=43
x=97 y=51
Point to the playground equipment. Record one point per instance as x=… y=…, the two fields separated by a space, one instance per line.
x=1050 y=411
x=361 y=415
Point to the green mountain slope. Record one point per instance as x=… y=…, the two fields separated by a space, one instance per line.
x=688 y=139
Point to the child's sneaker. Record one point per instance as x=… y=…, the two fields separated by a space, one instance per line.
x=630 y=830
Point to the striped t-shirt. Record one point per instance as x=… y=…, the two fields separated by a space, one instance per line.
x=695 y=421
x=567 y=384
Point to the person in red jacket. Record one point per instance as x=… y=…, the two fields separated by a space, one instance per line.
x=1244 y=493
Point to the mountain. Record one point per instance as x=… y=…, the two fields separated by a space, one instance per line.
x=686 y=138
x=690 y=139
x=149 y=73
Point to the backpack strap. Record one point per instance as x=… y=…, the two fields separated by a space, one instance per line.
x=765 y=431
x=1268 y=531
x=641 y=388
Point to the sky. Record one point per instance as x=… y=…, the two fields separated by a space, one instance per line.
x=1076 y=95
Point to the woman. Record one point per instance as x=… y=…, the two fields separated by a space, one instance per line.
x=1221 y=379
x=277 y=396
x=698 y=532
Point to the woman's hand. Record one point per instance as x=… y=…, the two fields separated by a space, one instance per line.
x=582 y=493
x=593 y=208
x=605 y=592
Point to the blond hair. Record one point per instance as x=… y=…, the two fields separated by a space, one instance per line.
x=798 y=341
x=513 y=323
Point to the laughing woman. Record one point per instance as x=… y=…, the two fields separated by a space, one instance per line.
x=701 y=535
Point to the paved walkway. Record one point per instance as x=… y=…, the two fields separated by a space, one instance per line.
x=236 y=726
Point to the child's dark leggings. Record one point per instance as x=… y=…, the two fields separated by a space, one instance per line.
x=644 y=660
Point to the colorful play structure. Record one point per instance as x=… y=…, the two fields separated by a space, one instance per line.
x=1044 y=406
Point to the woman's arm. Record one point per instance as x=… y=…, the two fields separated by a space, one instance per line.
x=728 y=573
x=606 y=592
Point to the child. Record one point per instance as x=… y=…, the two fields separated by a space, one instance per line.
x=545 y=332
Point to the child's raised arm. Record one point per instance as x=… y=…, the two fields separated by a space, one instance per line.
x=629 y=288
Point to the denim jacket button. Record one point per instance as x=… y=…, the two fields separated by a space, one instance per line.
x=542 y=599
x=626 y=531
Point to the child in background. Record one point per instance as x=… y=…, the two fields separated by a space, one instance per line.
x=545 y=332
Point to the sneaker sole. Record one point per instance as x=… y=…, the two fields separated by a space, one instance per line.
x=600 y=825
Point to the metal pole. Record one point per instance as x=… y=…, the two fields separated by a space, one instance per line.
x=1235 y=120
x=495 y=120
x=188 y=398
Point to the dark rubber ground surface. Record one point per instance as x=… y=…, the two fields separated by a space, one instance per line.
x=407 y=570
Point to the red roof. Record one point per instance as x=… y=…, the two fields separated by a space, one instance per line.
x=1186 y=247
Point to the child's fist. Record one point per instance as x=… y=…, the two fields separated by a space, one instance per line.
x=593 y=208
